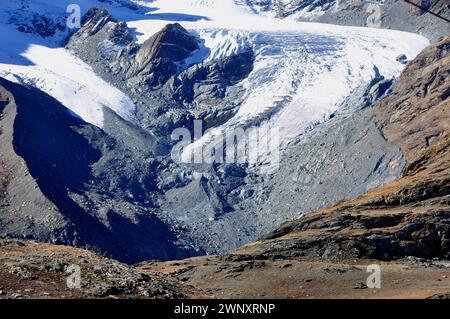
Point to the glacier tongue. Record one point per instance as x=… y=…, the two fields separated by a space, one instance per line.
x=301 y=78
x=303 y=71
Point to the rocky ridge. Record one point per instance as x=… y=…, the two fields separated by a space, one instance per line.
x=423 y=84
x=168 y=89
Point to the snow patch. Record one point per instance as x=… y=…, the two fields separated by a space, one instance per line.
x=68 y=79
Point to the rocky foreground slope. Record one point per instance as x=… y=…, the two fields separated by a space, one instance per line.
x=403 y=226
x=32 y=270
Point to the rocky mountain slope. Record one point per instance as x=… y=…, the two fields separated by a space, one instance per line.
x=113 y=187
x=66 y=182
x=424 y=84
x=32 y=270
x=403 y=226
x=133 y=89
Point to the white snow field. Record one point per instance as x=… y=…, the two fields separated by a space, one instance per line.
x=302 y=74
x=69 y=80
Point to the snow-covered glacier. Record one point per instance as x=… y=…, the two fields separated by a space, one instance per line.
x=302 y=71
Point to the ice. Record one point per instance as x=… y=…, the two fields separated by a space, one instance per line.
x=302 y=72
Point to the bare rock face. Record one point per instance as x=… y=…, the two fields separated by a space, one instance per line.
x=210 y=80
x=172 y=42
x=94 y=20
x=99 y=26
x=210 y=85
x=416 y=114
x=159 y=53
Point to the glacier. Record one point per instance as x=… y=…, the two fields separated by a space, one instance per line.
x=302 y=73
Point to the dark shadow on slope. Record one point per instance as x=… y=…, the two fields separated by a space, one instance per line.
x=60 y=159
x=4 y=100
x=132 y=135
x=13 y=46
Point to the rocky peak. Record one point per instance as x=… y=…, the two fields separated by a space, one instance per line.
x=172 y=42
x=154 y=70
x=95 y=19
x=99 y=22
x=155 y=61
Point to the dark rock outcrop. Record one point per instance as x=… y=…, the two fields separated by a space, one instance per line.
x=100 y=20
x=207 y=82
x=156 y=60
